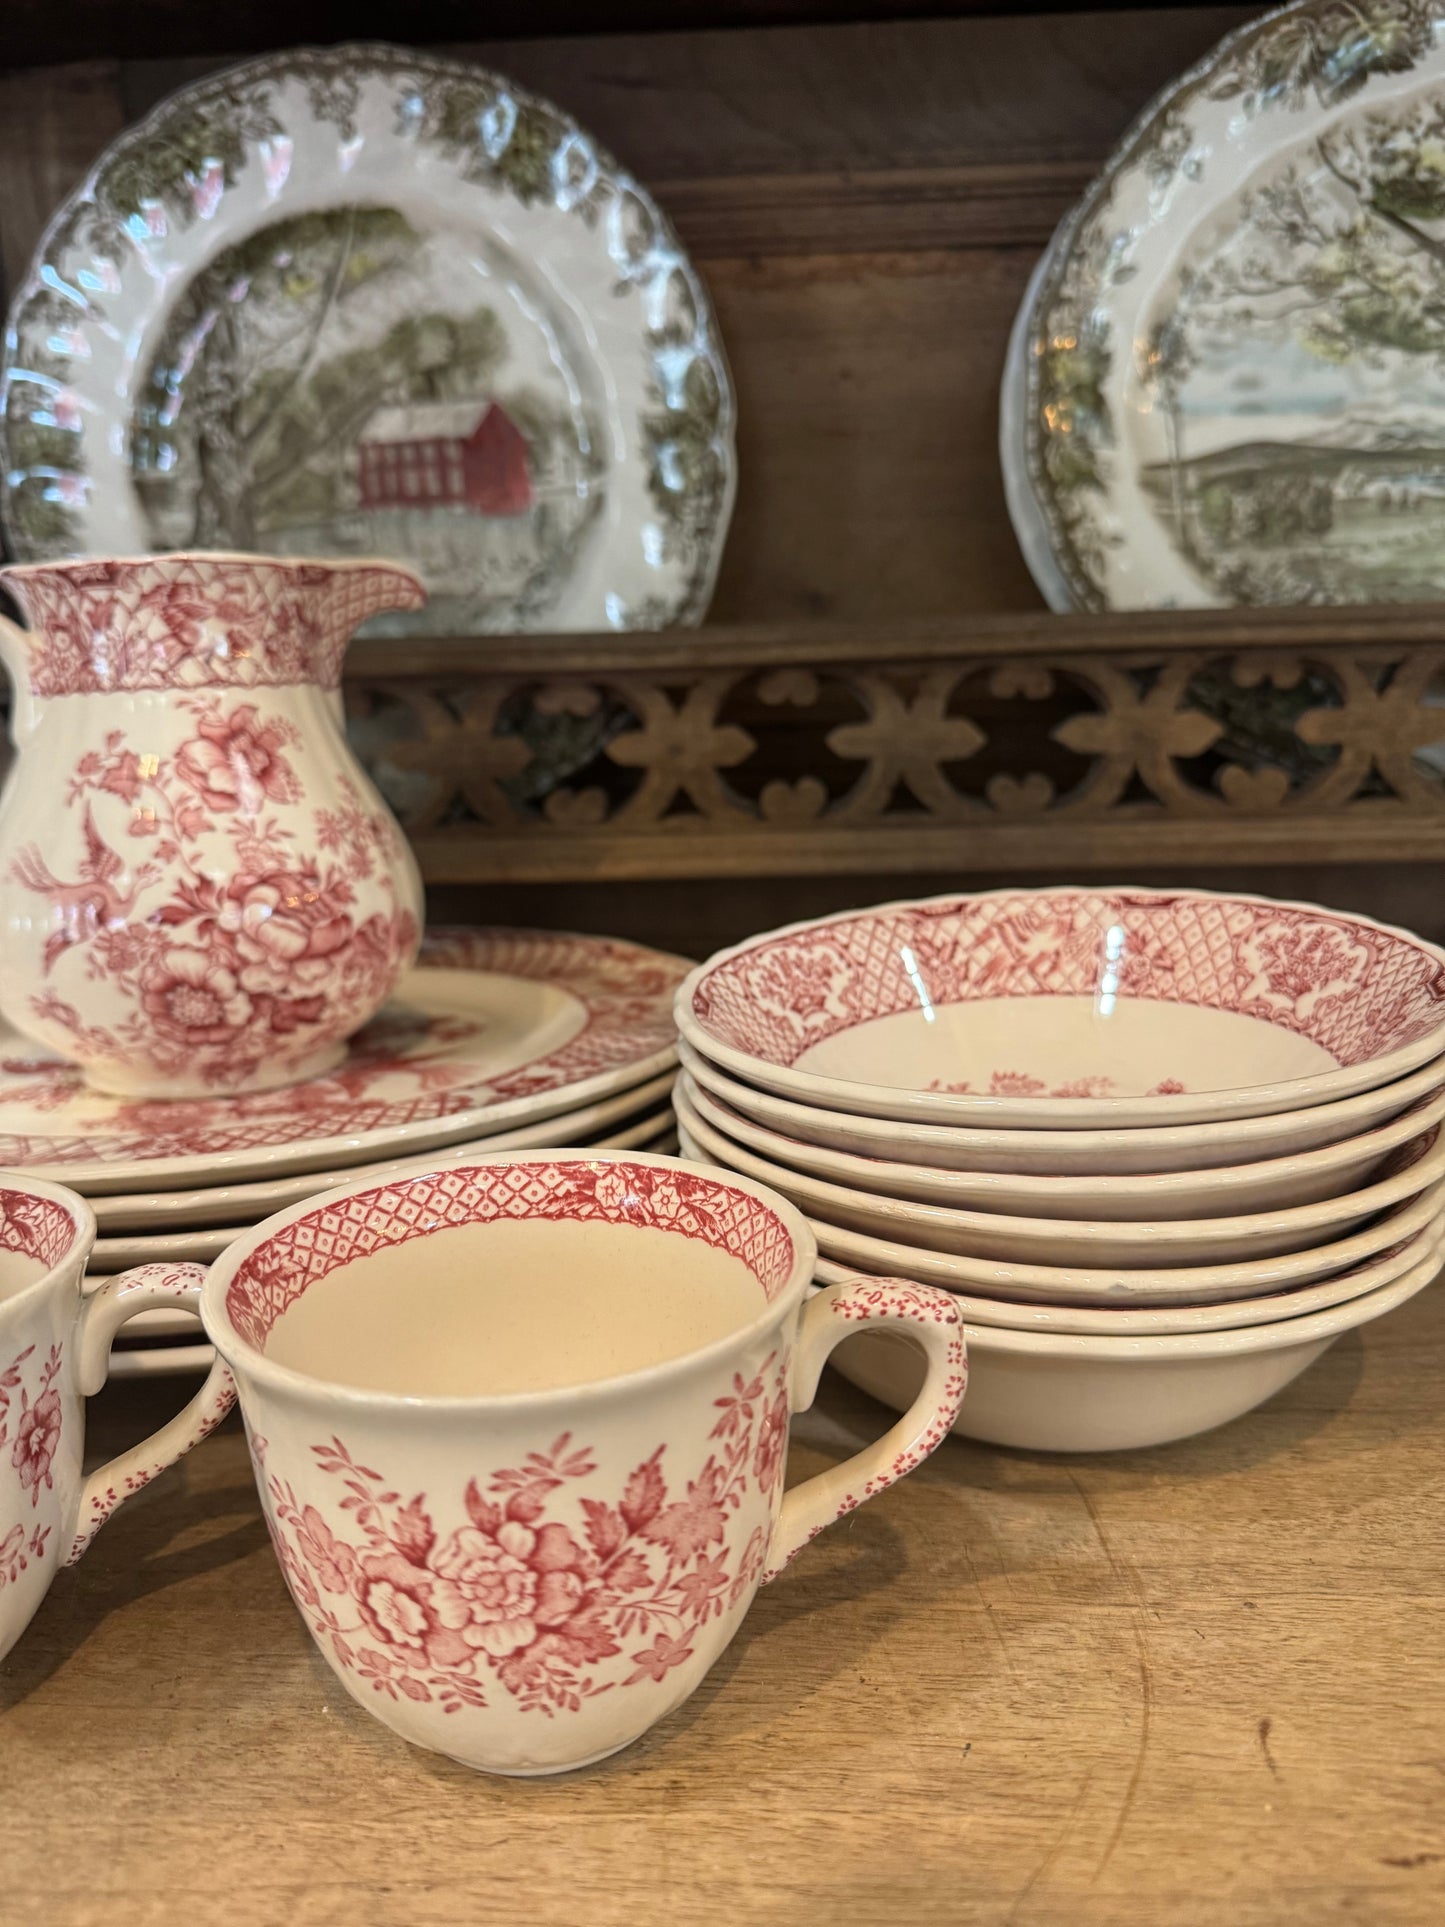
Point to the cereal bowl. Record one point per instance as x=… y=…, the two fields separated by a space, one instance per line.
x=1061 y=1241
x=1143 y=1151
x=1068 y=1008
x=1056 y=1392
x=1229 y=1314
x=1233 y=1190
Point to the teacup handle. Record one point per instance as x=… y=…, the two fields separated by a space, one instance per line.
x=102 y=1314
x=920 y=1312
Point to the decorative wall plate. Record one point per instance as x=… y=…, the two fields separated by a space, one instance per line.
x=493 y=1028
x=1229 y=368
x=369 y=301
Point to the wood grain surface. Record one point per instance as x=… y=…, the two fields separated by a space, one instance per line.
x=1197 y=1687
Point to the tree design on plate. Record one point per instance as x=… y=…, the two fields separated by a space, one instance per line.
x=1299 y=374
x=315 y=390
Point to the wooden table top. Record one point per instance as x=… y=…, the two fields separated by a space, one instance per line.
x=1204 y=1684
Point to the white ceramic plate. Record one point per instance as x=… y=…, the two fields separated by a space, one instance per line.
x=1053 y=1392
x=1062 y=1241
x=155 y=1211
x=1142 y=1152
x=494 y=1029
x=365 y=300
x=1224 y=382
x=1120 y=1285
x=1276 y=1184
x=199 y=1244
x=161 y=1361
x=1154 y=1321
x=1069 y=1008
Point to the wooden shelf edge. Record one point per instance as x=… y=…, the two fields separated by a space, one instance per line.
x=474 y=854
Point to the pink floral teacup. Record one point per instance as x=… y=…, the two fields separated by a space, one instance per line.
x=528 y=1577
x=54 y=1349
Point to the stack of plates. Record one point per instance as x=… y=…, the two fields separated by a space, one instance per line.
x=1165 y=1146
x=498 y=1040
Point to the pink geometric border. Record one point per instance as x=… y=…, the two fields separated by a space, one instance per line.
x=1354 y=989
x=35 y=1227
x=690 y=1204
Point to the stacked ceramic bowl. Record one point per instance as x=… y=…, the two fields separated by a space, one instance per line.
x=497 y=1040
x=1165 y=1146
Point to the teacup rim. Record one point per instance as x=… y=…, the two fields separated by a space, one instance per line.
x=254 y=1364
x=81 y=1217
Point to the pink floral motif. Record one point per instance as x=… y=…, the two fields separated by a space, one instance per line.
x=31 y=1418
x=222 y=977
x=234 y=760
x=697 y=1203
x=1355 y=988
x=1015 y=1084
x=1021 y=1084
x=537 y=1604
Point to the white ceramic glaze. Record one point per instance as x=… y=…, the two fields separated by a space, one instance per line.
x=566 y=1565
x=1061 y=1241
x=1139 y=1152
x=1231 y=1191
x=201 y=1243
x=1051 y=1392
x=1070 y=1008
x=1123 y=1285
x=1231 y=1314
x=54 y=1343
x=494 y=1029
x=157 y=1211
x=200 y=890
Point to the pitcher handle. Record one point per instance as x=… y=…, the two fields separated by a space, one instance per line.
x=919 y=1312
x=102 y=1314
x=15 y=654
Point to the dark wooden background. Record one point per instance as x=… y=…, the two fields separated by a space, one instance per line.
x=865 y=199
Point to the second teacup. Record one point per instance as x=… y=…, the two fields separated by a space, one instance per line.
x=54 y=1349
x=519 y=1429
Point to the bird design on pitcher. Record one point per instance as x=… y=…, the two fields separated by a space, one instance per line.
x=93 y=904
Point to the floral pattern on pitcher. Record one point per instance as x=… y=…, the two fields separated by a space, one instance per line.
x=267 y=967
x=554 y=1602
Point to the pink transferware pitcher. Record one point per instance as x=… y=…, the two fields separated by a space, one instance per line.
x=200 y=891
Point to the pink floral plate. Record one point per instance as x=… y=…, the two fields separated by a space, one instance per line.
x=247 y=1204
x=492 y=1030
x=1067 y=1008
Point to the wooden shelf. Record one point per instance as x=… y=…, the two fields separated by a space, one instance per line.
x=1004 y=744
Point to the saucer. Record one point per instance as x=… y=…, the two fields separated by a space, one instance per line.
x=161 y=1211
x=492 y=1030
x=200 y=1243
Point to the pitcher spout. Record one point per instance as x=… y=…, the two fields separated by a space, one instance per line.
x=349 y=594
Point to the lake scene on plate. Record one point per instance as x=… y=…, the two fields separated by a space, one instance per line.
x=341 y=383
x=1292 y=442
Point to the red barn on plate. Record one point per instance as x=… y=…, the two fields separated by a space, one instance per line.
x=445 y=454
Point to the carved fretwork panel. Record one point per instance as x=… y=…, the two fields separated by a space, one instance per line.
x=1019 y=744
